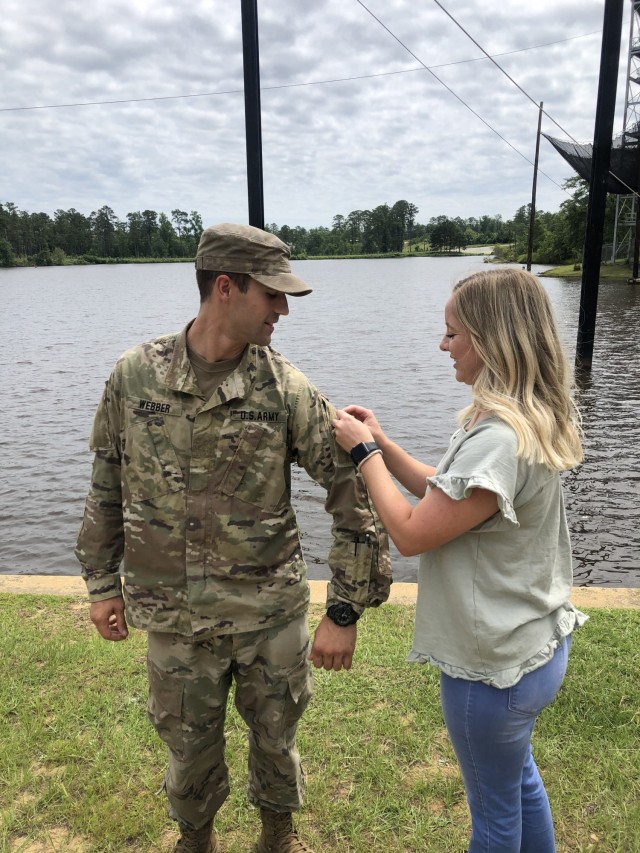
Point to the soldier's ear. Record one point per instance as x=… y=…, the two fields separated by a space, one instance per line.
x=222 y=286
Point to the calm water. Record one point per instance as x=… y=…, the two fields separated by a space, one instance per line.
x=368 y=334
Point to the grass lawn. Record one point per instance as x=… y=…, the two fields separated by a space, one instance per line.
x=81 y=768
x=608 y=272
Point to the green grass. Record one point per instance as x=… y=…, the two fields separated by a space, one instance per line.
x=80 y=766
x=614 y=272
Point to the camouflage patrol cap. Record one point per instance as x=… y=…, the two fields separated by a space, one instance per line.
x=245 y=249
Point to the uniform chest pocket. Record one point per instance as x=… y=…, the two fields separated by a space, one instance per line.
x=151 y=467
x=258 y=472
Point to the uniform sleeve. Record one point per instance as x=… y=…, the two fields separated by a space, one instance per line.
x=486 y=459
x=359 y=556
x=100 y=542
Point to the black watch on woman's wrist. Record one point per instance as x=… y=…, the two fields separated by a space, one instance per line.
x=359 y=452
x=342 y=614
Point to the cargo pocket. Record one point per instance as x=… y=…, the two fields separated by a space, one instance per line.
x=164 y=707
x=298 y=696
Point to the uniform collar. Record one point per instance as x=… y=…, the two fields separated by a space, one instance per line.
x=181 y=377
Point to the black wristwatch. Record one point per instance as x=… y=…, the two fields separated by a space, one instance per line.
x=342 y=614
x=360 y=451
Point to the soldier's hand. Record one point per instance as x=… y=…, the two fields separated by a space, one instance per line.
x=333 y=646
x=109 y=619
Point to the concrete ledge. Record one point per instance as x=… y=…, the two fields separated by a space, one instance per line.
x=401 y=593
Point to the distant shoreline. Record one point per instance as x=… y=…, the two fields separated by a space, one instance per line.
x=80 y=262
x=608 y=271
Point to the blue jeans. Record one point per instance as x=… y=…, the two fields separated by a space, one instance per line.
x=490 y=730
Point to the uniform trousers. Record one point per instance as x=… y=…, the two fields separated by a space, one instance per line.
x=189 y=684
x=490 y=730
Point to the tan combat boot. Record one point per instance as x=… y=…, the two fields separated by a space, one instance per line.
x=203 y=840
x=279 y=835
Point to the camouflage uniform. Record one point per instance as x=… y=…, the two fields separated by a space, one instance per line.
x=194 y=496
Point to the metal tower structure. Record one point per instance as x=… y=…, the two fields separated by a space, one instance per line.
x=627 y=205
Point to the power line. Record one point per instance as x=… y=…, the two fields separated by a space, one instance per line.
x=519 y=87
x=286 y=85
x=121 y=101
x=455 y=95
x=500 y=68
x=519 y=49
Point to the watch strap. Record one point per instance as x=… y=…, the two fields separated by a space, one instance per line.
x=360 y=451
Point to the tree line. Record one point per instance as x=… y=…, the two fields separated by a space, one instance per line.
x=68 y=235
x=557 y=237
x=71 y=237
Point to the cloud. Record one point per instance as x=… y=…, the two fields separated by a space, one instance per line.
x=328 y=147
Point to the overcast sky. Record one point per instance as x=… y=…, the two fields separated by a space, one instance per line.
x=331 y=144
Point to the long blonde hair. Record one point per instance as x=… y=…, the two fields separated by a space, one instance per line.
x=525 y=379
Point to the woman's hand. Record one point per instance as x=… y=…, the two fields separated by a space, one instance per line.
x=367 y=417
x=349 y=430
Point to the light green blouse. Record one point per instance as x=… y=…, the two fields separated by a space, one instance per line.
x=493 y=604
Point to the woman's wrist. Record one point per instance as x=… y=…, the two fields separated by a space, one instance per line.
x=370 y=455
x=361 y=450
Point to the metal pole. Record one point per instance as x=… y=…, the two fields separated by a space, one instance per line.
x=636 y=233
x=602 y=136
x=252 y=113
x=532 y=218
x=625 y=118
x=615 y=232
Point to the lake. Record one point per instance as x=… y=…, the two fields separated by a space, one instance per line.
x=368 y=334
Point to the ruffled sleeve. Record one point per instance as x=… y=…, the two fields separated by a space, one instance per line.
x=483 y=458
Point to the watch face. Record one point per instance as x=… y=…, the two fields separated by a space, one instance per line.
x=342 y=614
x=341 y=618
x=362 y=450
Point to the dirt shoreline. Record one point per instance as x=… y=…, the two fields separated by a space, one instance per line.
x=401 y=593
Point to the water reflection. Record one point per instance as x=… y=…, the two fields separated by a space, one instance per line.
x=603 y=493
x=369 y=333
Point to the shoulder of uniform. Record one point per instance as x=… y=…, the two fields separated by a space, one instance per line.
x=270 y=359
x=158 y=349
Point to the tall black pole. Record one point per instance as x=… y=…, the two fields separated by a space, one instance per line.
x=602 y=136
x=252 y=118
x=532 y=215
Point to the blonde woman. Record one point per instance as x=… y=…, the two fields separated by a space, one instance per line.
x=493 y=610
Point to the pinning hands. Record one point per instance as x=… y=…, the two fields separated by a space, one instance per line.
x=354 y=424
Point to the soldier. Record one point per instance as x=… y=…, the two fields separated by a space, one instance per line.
x=194 y=439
